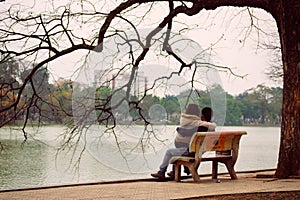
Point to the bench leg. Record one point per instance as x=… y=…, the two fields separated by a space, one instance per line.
x=230 y=168
x=214 y=169
x=194 y=174
x=177 y=172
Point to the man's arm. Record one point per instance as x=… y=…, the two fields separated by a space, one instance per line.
x=210 y=125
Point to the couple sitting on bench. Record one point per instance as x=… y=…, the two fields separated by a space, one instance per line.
x=190 y=122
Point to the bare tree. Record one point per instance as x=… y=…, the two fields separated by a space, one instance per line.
x=45 y=37
x=275 y=72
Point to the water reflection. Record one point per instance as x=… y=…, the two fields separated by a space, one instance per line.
x=22 y=164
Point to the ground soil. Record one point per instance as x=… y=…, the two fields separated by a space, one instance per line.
x=294 y=195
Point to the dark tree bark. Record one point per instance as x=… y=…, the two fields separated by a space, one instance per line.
x=288 y=20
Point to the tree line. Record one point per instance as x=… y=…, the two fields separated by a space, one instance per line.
x=52 y=102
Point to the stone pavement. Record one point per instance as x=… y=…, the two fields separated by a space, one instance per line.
x=151 y=189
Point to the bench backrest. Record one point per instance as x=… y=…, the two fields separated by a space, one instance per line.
x=216 y=141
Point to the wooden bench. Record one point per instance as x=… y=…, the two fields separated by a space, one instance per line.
x=210 y=141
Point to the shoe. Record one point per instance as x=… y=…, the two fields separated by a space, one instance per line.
x=186 y=170
x=171 y=174
x=160 y=175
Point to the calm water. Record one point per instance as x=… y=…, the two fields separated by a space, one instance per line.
x=38 y=163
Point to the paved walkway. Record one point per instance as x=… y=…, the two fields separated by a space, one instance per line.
x=150 y=189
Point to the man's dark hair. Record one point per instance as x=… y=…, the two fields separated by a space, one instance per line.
x=193 y=109
x=207 y=113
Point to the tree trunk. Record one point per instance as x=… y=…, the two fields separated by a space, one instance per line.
x=288 y=22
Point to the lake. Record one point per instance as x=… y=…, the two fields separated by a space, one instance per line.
x=38 y=163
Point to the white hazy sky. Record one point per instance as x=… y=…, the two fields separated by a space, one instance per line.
x=223 y=25
x=246 y=63
x=237 y=46
x=232 y=50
